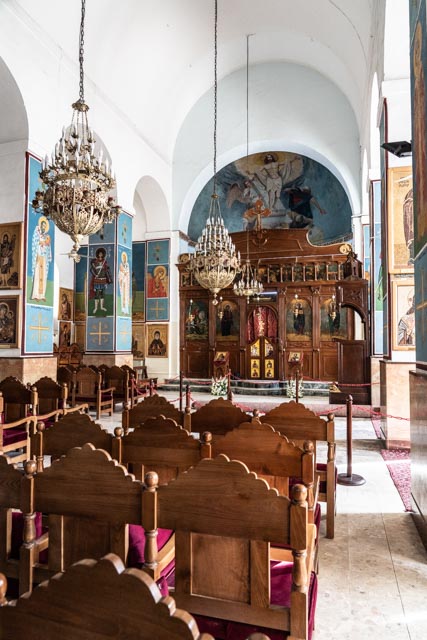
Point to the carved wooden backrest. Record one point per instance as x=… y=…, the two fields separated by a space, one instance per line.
x=87 y=382
x=72 y=430
x=89 y=498
x=119 y=379
x=149 y=408
x=298 y=422
x=269 y=454
x=160 y=444
x=18 y=399
x=217 y=416
x=82 y=603
x=224 y=519
x=51 y=395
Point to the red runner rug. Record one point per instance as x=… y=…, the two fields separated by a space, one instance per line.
x=398 y=463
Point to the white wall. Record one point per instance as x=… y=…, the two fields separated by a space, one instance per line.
x=291 y=108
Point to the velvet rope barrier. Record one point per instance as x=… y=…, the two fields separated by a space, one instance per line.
x=350 y=479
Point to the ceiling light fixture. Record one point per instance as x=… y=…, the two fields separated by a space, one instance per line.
x=215 y=262
x=77 y=184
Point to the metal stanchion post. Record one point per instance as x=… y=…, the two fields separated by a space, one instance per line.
x=350 y=479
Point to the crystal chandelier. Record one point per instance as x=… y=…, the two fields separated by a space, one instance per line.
x=215 y=262
x=76 y=182
x=248 y=284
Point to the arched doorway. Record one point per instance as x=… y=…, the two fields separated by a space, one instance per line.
x=261 y=341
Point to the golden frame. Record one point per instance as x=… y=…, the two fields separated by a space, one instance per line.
x=9 y=305
x=11 y=255
x=157 y=347
x=400 y=220
x=403 y=319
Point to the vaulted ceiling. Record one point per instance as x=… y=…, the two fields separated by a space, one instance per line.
x=153 y=60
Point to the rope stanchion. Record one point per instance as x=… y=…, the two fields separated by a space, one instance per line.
x=350 y=479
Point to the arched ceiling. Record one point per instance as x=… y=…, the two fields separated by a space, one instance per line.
x=153 y=60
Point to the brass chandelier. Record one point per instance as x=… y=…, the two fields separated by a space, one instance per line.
x=248 y=284
x=77 y=184
x=215 y=262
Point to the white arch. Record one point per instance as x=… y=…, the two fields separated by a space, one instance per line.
x=151 y=208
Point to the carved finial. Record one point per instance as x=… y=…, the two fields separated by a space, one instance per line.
x=206 y=437
x=3 y=589
x=33 y=388
x=40 y=426
x=151 y=480
x=330 y=416
x=299 y=494
x=119 y=432
x=255 y=413
x=308 y=446
x=30 y=467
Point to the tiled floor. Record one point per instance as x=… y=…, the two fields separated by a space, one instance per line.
x=373 y=575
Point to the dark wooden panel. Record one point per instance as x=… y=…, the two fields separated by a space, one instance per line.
x=329 y=366
x=197 y=363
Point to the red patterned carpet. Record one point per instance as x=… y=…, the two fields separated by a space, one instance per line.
x=398 y=463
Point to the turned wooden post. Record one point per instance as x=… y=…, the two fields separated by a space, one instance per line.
x=300 y=577
x=116 y=448
x=206 y=445
x=149 y=522
x=39 y=446
x=3 y=589
x=27 y=550
x=308 y=467
x=151 y=387
x=187 y=411
x=229 y=391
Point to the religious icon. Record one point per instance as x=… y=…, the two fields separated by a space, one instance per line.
x=124 y=283
x=64 y=339
x=9 y=321
x=65 y=304
x=100 y=278
x=41 y=259
x=10 y=255
x=157 y=281
x=404 y=315
x=157 y=340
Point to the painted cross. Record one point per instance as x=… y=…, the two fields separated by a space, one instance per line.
x=99 y=333
x=158 y=309
x=39 y=328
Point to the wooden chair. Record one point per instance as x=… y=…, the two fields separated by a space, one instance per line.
x=150 y=408
x=217 y=416
x=65 y=375
x=160 y=444
x=274 y=458
x=12 y=521
x=15 y=438
x=90 y=502
x=19 y=401
x=224 y=519
x=121 y=380
x=72 y=430
x=88 y=389
x=82 y=603
x=51 y=395
x=298 y=423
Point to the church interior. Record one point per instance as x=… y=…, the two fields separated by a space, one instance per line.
x=213 y=316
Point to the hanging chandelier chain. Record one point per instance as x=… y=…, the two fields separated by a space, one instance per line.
x=215 y=89
x=81 y=50
x=247 y=97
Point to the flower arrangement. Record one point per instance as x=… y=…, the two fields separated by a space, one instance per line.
x=219 y=386
x=291 y=390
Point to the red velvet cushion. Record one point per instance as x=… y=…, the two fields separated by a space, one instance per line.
x=18 y=531
x=106 y=396
x=281 y=586
x=321 y=466
x=136 y=552
x=16 y=434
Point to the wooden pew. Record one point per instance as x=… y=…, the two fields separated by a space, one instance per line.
x=150 y=407
x=83 y=604
x=160 y=444
x=224 y=519
x=51 y=395
x=273 y=457
x=217 y=416
x=298 y=423
x=19 y=401
x=74 y=429
x=88 y=389
x=15 y=438
x=12 y=530
x=89 y=500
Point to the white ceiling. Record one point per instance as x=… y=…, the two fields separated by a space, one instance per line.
x=154 y=58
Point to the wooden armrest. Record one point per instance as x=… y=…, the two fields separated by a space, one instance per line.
x=78 y=408
x=281 y=555
x=311 y=545
x=106 y=390
x=46 y=416
x=42 y=542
